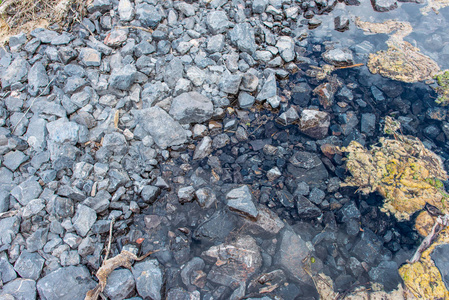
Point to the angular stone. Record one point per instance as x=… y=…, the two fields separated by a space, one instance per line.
x=191 y=273
x=120 y=284
x=16 y=72
x=63 y=132
x=148 y=15
x=241 y=201
x=288 y=117
x=314 y=123
x=217 y=21
x=235 y=266
x=249 y=82
x=125 y=10
x=83 y=220
x=367 y=247
x=12 y=160
x=339 y=57
x=191 y=107
x=186 y=194
x=307 y=167
x=165 y=131
x=259 y=6
x=37 y=78
x=286 y=46
x=196 y=75
x=292 y=254
x=205 y=197
x=386 y=273
x=217 y=227
x=148 y=277
x=9 y=227
x=384 y=5
x=441 y=260
x=123 y=78
x=90 y=57
x=69 y=283
x=306 y=209
x=245 y=100
x=19 y=289
x=26 y=191
x=29 y=265
x=267 y=222
x=242 y=35
x=230 y=83
x=269 y=88
x=173 y=72
x=37 y=240
x=150 y=193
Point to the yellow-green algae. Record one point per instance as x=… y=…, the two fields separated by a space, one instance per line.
x=443 y=87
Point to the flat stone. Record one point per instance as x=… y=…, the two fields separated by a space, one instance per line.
x=339 y=57
x=9 y=227
x=246 y=100
x=69 y=283
x=196 y=75
x=12 y=160
x=191 y=107
x=16 y=72
x=307 y=167
x=367 y=247
x=29 y=265
x=241 y=201
x=63 y=131
x=19 y=289
x=8 y=273
x=116 y=38
x=165 y=131
x=386 y=273
x=269 y=88
x=148 y=277
x=37 y=240
x=267 y=222
x=314 y=123
x=120 y=284
x=230 y=83
x=37 y=78
x=173 y=72
x=242 y=35
x=441 y=260
x=217 y=227
x=83 y=220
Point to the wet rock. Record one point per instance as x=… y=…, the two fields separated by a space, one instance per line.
x=203 y=149
x=341 y=23
x=367 y=247
x=249 y=82
x=347 y=212
x=286 y=47
x=19 y=289
x=440 y=258
x=301 y=94
x=339 y=57
x=384 y=5
x=125 y=10
x=291 y=255
x=273 y=174
x=288 y=117
x=306 y=209
x=217 y=227
x=242 y=35
x=368 y=124
x=165 y=131
x=15 y=73
x=217 y=21
x=220 y=141
x=83 y=220
x=66 y=284
x=307 y=167
x=150 y=193
x=123 y=78
x=90 y=57
x=205 y=197
x=148 y=278
x=191 y=107
x=386 y=273
x=120 y=284
x=148 y=15
x=235 y=266
x=241 y=201
x=267 y=222
x=192 y=273
x=186 y=194
x=314 y=123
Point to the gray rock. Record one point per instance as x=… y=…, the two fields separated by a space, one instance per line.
x=126 y=10
x=148 y=277
x=249 y=82
x=368 y=124
x=306 y=209
x=220 y=141
x=286 y=47
x=12 y=160
x=347 y=212
x=69 y=283
x=190 y=271
x=314 y=123
x=288 y=117
x=230 y=83
x=307 y=167
x=99 y=5
x=273 y=174
x=37 y=78
x=173 y=72
x=259 y=6
x=205 y=197
x=203 y=148
x=241 y=201
x=26 y=191
x=90 y=57
x=149 y=15
x=384 y=5
x=120 y=284
x=36 y=134
x=339 y=57
x=242 y=35
x=441 y=260
x=269 y=89
x=9 y=227
x=20 y=289
x=15 y=73
x=367 y=247
x=117 y=178
x=186 y=194
x=292 y=254
x=16 y=41
x=317 y=196
x=67 y=54
x=37 y=240
x=386 y=273
x=188 y=10
x=215 y=43
x=8 y=273
x=217 y=21
x=29 y=265
x=123 y=78
x=44 y=35
x=165 y=131
x=196 y=75
x=246 y=100
x=150 y=193
x=70 y=258
x=191 y=107
x=83 y=220
x=217 y=227
x=62 y=131
x=74 y=84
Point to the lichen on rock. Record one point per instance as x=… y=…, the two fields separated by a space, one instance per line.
x=402 y=170
x=443 y=87
x=401 y=61
x=434 y=5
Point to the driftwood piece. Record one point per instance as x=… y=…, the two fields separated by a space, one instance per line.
x=439 y=225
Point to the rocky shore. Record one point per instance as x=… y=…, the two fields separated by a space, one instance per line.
x=201 y=127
